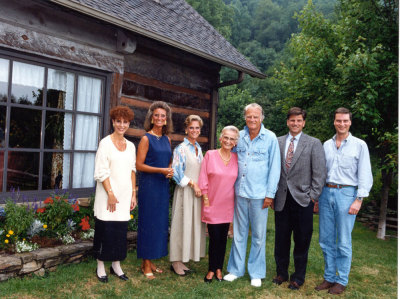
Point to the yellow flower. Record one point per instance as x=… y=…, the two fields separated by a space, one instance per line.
x=7 y=236
x=6 y=241
x=131 y=216
x=10 y=232
x=23 y=239
x=44 y=226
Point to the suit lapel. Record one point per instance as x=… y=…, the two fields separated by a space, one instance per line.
x=301 y=145
x=282 y=144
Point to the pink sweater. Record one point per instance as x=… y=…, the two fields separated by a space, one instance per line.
x=217 y=180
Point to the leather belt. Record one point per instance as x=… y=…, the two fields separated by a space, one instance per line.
x=338 y=186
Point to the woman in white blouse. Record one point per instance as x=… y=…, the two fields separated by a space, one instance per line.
x=115 y=173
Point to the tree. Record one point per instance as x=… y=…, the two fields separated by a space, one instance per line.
x=352 y=62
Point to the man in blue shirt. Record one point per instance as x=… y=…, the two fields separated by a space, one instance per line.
x=256 y=185
x=349 y=180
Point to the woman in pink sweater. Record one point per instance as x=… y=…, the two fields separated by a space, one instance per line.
x=217 y=179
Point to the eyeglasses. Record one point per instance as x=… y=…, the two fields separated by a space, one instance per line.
x=226 y=138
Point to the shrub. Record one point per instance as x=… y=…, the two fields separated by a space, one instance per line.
x=18 y=218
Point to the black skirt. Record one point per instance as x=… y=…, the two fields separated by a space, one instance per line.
x=110 y=243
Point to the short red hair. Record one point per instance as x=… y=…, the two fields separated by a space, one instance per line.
x=123 y=112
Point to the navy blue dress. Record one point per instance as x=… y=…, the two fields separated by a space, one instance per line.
x=153 y=202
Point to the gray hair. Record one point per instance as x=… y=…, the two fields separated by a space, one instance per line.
x=230 y=128
x=256 y=106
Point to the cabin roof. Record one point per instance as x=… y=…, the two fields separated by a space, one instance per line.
x=173 y=22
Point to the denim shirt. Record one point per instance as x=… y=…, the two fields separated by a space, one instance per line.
x=259 y=165
x=179 y=161
x=350 y=164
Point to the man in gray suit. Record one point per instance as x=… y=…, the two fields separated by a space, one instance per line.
x=303 y=174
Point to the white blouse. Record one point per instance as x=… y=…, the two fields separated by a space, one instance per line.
x=117 y=166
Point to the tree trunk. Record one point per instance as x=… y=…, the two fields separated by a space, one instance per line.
x=387 y=177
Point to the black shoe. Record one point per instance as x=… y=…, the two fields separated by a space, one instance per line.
x=294 y=286
x=102 y=279
x=206 y=280
x=218 y=279
x=122 y=276
x=173 y=270
x=189 y=271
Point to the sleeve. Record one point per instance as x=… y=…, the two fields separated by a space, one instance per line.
x=179 y=166
x=102 y=163
x=274 y=168
x=318 y=169
x=203 y=176
x=364 y=172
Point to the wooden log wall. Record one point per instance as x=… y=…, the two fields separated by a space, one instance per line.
x=158 y=73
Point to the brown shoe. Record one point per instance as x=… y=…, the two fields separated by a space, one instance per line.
x=278 y=280
x=324 y=285
x=337 y=289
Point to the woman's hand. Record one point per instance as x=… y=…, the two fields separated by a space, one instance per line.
x=168 y=172
x=206 y=201
x=112 y=202
x=196 y=190
x=133 y=201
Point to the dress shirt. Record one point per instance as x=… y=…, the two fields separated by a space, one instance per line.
x=179 y=161
x=350 y=164
x=259 y=164
x=295 y=142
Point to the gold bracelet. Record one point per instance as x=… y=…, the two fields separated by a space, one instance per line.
x=109 y=191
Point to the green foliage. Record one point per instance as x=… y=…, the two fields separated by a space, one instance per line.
x=18 y=218
x=55 y=215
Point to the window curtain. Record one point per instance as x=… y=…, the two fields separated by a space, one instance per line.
x=64 y=82
x=86 y=130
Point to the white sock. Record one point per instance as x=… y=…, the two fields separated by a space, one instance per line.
x=101 y=271
x=117 y=268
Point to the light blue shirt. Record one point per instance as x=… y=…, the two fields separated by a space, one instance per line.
x=179 y=161
x=350 y=164
x=295 y=142
x=259 y=164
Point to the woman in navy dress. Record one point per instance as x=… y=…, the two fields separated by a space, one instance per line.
x=153 y=160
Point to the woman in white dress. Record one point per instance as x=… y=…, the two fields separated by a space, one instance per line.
x=115 y=173
x=188 y=238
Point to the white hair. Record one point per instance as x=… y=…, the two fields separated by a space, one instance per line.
x=230 y=128
x=256 y=106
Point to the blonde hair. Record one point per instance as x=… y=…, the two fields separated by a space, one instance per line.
x=191 y=118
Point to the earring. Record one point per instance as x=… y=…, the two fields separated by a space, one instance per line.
x=152 y=121
x=165 y=123
x=185 y=132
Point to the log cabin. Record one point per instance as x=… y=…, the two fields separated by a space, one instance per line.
x=65 y=63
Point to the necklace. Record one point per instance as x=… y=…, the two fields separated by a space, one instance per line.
x=225 y=160
x=157 y=136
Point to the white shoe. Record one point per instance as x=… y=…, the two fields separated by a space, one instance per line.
x=256 y=282
x=230 y=277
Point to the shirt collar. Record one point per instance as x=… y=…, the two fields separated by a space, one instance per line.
x=297 y=137
x=347 y=138
x=260 y=134
x=187 y=142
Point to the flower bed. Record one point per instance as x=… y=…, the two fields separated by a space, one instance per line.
x=36 y=237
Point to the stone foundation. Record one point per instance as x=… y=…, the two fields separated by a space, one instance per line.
x=47 y=259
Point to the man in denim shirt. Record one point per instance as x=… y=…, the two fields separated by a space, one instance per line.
x=259 y=171
x=349 y=180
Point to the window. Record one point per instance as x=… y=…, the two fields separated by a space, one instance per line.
x=51 y=121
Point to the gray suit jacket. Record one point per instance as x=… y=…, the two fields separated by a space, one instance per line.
x=307 y=173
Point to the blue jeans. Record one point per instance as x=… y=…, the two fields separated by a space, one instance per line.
x=335 y=227
x=248 y=211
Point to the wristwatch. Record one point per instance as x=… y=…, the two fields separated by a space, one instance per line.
x=360 y=199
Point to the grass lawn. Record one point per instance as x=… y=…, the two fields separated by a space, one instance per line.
x=373 y=275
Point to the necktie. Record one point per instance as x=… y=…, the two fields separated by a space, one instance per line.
x=289 y=155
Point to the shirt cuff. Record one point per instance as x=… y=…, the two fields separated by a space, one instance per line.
x=270 y=195
x=362 y=193
x=184 y=181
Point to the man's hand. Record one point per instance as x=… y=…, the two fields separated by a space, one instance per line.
x=316 y=207
x=268 y=202
x=355 y=207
